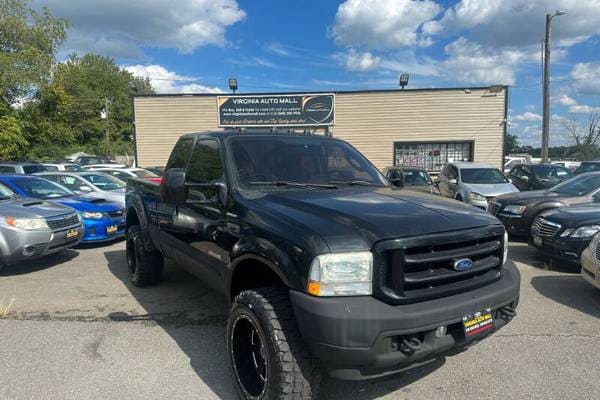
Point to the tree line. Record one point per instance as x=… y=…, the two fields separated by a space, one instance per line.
x=51 y=108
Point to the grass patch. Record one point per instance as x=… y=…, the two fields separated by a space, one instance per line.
x=5 y=309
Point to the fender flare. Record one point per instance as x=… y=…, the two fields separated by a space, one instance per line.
x=136 y=205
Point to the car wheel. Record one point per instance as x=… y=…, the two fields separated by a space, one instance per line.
x=267 y=355
x=459 y=197
x=144 y=267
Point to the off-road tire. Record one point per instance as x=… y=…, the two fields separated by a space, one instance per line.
x=292 y=373
x=144 y=267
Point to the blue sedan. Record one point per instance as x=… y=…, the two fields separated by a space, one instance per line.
x=103 y=220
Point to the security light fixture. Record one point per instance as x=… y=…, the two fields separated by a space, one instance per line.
x=233 y=84
x=403 y=80
x=495 y=88
x=559 y=12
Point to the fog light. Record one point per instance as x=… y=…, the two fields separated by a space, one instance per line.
x=29 y=251
x=440 y=331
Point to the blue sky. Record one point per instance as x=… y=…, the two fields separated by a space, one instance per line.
x=189 y=46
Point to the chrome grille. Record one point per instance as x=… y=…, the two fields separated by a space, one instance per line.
x=543 y=227
x=419 y=268
x=597 y=251
x=62 y=222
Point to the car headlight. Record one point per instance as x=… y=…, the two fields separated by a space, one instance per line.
x=585 y=231
x=514 y=209
x=477 y=197
x=92 y=215
x=505 y=254
x=341 y=274
x=29 y=224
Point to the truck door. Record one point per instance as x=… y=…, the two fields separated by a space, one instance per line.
x=199 y=226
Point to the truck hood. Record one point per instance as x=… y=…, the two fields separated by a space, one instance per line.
x=491 y=189
x=571 y=217
x=355 y=218
x=24 y=207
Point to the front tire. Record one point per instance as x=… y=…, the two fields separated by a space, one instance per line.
x=144 y=267
x=267 y=355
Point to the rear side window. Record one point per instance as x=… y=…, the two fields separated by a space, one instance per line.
x=32 y=169
x=51 y=167
x=6 y=169
x=180 y=154
x=72 y=168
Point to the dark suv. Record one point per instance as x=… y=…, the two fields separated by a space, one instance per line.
x=327 y=267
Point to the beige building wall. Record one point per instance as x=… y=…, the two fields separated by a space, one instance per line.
x=371 y=121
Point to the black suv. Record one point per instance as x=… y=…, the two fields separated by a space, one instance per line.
x=327 y=267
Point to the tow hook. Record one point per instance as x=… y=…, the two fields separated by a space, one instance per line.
x=408 y=345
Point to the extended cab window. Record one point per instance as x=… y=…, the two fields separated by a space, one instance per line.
x=180 y=154
x=7 y=169
x=205 y=167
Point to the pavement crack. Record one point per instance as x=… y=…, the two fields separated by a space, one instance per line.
x=558 y=335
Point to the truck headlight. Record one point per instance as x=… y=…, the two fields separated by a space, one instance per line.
x=505 y=254
x=29 y=224
x=477 y=197
x=341 y=274
x=585 y=231
x=92 y=215
x=514 y=209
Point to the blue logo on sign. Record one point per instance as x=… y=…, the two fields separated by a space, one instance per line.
x=463 y=265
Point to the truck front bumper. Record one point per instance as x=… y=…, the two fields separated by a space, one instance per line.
x=358 y=337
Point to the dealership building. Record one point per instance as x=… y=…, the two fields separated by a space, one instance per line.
x=416 y=127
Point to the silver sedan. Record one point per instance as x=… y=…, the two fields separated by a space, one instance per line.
x=94 y=184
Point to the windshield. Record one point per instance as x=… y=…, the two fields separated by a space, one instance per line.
x=142 y=173
x=550 y=173
x=482 y=175
x=32 y=169
x=72 y=168
x=300 y=159
x=42 y=188
x=578 y=186
x=587 y=167
x=5 y=193
x=417 y=178
x=103 y=181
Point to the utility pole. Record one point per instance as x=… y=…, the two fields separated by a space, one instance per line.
x=106 y=134
x=546 y=89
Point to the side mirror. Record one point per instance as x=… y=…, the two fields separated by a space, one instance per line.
x=525 y=178
x=85 y=189
x=172 y=187
x=453 y=181
x=396 y=179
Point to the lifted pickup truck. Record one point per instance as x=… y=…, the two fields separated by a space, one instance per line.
x=328 y=268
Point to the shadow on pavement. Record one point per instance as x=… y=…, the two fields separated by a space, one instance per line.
x=522 y=253
x=39 y=264
x=195 y=318
x=571 y=291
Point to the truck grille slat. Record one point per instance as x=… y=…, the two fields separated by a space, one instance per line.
x=543 y=227
x=597 y=252
x=65 y=221
x=415 y=269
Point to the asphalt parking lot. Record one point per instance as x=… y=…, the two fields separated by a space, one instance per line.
x=79 y=330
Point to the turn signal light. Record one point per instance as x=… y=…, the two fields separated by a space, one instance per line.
x=314 y=288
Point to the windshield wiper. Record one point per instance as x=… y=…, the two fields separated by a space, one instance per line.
x=356 y=183
x=293 y=184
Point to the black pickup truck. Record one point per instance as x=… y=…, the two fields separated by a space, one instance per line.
x=328 y=268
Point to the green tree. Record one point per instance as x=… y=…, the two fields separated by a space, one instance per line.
x=65 y=114
x=28 y=40
x=511 y=143
x=13 y=142
x=586 y=136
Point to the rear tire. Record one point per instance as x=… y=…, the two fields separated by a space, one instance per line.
x=144 y=267
x=267 y=356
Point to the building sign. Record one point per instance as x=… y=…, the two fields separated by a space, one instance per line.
x=276 y=110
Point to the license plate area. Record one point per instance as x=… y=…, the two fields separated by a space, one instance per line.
x=478 y=323
x=71 y=234
x=111 y=229
x=538 y=241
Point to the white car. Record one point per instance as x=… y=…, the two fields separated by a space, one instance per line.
x=69 y=167
x=94 y=184
x=94 y=167
x=125 y=174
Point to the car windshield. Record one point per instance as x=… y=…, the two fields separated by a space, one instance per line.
x=417 y=178
x=41 y=188
x=578 y=186
x=142 y=173
x=104 y=181
x=482 y=175
x=588 y=167
x=72 y=168
x=32 y=169
x=5 y=193
x=286 y=161
x=550 y=173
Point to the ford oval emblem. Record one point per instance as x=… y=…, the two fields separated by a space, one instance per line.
x=463 y=264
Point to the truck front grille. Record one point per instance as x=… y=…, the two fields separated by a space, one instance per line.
x=493 y=207
x=597 y=251
x=543 y=227
x=62 y=222
x=419 y=268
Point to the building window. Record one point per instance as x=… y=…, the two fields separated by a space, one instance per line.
x=431 y=156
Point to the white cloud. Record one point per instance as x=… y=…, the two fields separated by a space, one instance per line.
x=519 y=22
x=563 y=100
x=356 y=61
x=165 y=81
x=583 y=109
x=528 y=116
x=586 y=78
x=123 y=28
x=381 y=24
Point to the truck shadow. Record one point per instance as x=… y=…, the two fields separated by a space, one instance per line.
x=522 y=253
x=572 y=291
x=39 y=264
x=195 y=318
